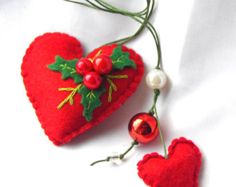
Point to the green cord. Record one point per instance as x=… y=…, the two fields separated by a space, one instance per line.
x=145 y=23
x=123 y=12
x=120 y=157
x=122 y=41
x=142 y=17
x=161 y=135
x=156 y=94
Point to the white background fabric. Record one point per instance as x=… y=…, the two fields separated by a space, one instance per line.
x=198 y=42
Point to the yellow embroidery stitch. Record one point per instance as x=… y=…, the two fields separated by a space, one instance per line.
x=70 y=97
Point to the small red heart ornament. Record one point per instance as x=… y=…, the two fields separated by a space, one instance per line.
x=42 y=84
x=181 y=169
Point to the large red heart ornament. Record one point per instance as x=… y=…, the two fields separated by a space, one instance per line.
x=181 y=169
x=42 y=84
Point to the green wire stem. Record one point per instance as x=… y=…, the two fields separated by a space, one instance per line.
x=121 y=156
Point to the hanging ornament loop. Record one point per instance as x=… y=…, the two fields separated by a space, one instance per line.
x=156 y=79
x=120 y=157
x=141 y=17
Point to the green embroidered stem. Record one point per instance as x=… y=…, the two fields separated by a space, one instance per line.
x=70 y=97
x=118 y=76
x=98 y=53
x=112 y=86
x=121 y=156
x=66 y=89
x=110 y=94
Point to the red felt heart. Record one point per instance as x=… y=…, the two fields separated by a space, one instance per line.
x=181 y=169
x=42 y=85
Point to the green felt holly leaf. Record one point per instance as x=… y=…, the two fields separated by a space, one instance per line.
x=121 y=59
x=90 y=100
x=67 y=69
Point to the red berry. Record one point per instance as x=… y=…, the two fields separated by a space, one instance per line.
x=92 y=80
x=143 y=128
x=102 y=64
x=84 y=66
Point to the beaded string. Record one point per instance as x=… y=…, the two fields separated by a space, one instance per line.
x=142 y=17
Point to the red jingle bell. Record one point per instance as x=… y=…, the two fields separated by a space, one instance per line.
x=143 y=128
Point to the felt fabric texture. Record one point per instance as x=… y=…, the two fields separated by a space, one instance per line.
x=42 y=84
x=181 y=169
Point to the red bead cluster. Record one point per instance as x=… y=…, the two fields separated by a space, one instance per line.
x=92 y=70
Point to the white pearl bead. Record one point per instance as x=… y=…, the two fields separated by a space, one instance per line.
x=156 y=79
